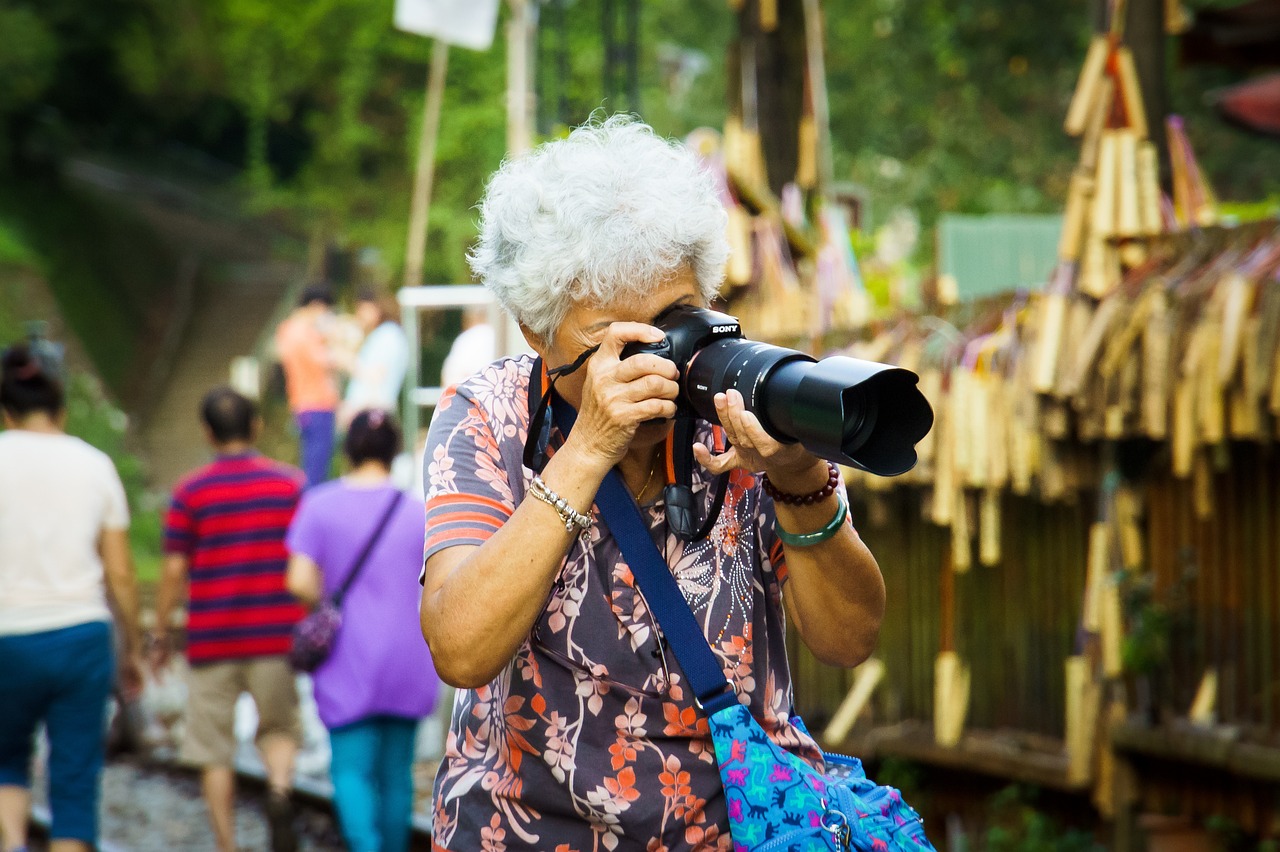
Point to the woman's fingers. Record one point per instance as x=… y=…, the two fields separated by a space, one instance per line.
x=741 y=427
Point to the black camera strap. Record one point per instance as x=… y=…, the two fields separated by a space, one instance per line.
x=680 y=502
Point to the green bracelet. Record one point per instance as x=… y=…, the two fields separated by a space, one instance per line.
x=819 y=536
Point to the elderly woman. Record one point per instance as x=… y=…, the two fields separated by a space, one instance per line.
x=574 y=727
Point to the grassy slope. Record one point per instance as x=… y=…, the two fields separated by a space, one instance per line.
x=103 y=266
x=25 y=294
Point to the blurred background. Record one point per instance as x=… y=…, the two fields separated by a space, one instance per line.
x=1062 y=214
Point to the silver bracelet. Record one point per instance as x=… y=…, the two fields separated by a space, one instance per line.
x=571 y=517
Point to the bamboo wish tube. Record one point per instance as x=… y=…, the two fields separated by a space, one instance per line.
x=1184 y=427
x=1053 y=316
x=1236 y=304
x=1096 y=576
x=1081 y=716
x=961 y=534
x=951 y=698
x=989 y=528
x=1111 y=630
x=1128 y=216
x=807 y=159
x=1155 y=367
x=1131 y=91
x=1098 y=118
x=1079 y=196
x=1103 y=221
x=1086 y=92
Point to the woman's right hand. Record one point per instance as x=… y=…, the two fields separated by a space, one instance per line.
x=620 y=394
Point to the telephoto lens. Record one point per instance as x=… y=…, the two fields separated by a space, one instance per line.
x=861 y=413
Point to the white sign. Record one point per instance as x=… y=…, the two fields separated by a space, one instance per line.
x=466 y=23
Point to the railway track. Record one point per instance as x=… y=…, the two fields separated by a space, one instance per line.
x=150 y=806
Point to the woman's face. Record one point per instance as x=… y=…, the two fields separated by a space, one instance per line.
x=584 y=326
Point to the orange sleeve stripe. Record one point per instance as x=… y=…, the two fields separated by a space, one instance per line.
x=442 y=518
x=467 y=535
x=468 y=500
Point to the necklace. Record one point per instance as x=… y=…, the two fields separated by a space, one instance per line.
x=643 y=488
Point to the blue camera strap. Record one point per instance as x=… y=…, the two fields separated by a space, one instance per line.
x=662 y=594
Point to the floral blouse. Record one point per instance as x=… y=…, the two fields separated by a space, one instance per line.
x=590 y=738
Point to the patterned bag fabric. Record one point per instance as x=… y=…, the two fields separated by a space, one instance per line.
x=778 y=802
x=313 y=637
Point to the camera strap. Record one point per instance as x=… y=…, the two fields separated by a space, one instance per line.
x=680 y=502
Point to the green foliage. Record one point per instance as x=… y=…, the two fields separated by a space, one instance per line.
x=935 y=105
x=13 y=248
x=103 y=266
x=943 y=106
x=1146 y=645
x=1015 y=825
x=28 y=52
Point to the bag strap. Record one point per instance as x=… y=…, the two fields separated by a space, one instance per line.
x=712 y=690
x=368 y=547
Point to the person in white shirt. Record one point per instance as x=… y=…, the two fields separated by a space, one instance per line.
x=377 y=375
x=474 y=348
x=64 y=549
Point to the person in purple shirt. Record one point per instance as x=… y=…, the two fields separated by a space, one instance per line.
x=378 y=681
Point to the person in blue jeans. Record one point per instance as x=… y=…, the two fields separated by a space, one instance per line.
x=378 y=681
x=307 y=357
x=63 y=549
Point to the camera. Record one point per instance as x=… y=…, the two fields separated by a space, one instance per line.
x=843 y=409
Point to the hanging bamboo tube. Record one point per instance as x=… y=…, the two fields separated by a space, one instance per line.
x=1098 y=119
x=1155 y=367
x=989 y=528
x=1053 y=315
x=1131 y=91
x=1237 y=302
x=1184 y=427
x=1086 y=92
x=1128 y=218
x=1079 y=195
x=1103 y=221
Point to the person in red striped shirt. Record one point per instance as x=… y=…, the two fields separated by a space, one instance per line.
x=225 y=541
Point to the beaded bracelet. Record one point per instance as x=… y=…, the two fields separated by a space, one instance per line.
x=833 y=479
x=571 y=517
x=818 y=536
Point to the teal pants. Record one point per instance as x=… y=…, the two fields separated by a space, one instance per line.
x=372 y=772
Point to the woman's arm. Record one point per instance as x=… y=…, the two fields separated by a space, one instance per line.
x=304 y=579
x=479 y=603
x=835 y=593
x=117 y=566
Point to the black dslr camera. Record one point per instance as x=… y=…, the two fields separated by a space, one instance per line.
x=861 y=413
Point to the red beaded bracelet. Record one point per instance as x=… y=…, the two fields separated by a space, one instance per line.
x=833 y=479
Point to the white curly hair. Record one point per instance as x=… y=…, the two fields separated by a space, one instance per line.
x=600 y=217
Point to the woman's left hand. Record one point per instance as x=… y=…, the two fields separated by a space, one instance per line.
x=754 y=449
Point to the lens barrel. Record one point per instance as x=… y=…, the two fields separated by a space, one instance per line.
x=861 y=413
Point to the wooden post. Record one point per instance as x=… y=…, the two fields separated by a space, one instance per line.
x=519 y=95
x=426 y=167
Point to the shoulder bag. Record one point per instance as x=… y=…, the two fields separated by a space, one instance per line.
x=314 y=635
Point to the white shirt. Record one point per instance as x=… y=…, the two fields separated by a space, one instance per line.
x=57 y=495
x=471 y=350
x=379 y=370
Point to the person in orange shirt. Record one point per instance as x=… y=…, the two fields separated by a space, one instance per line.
x=310 y=378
